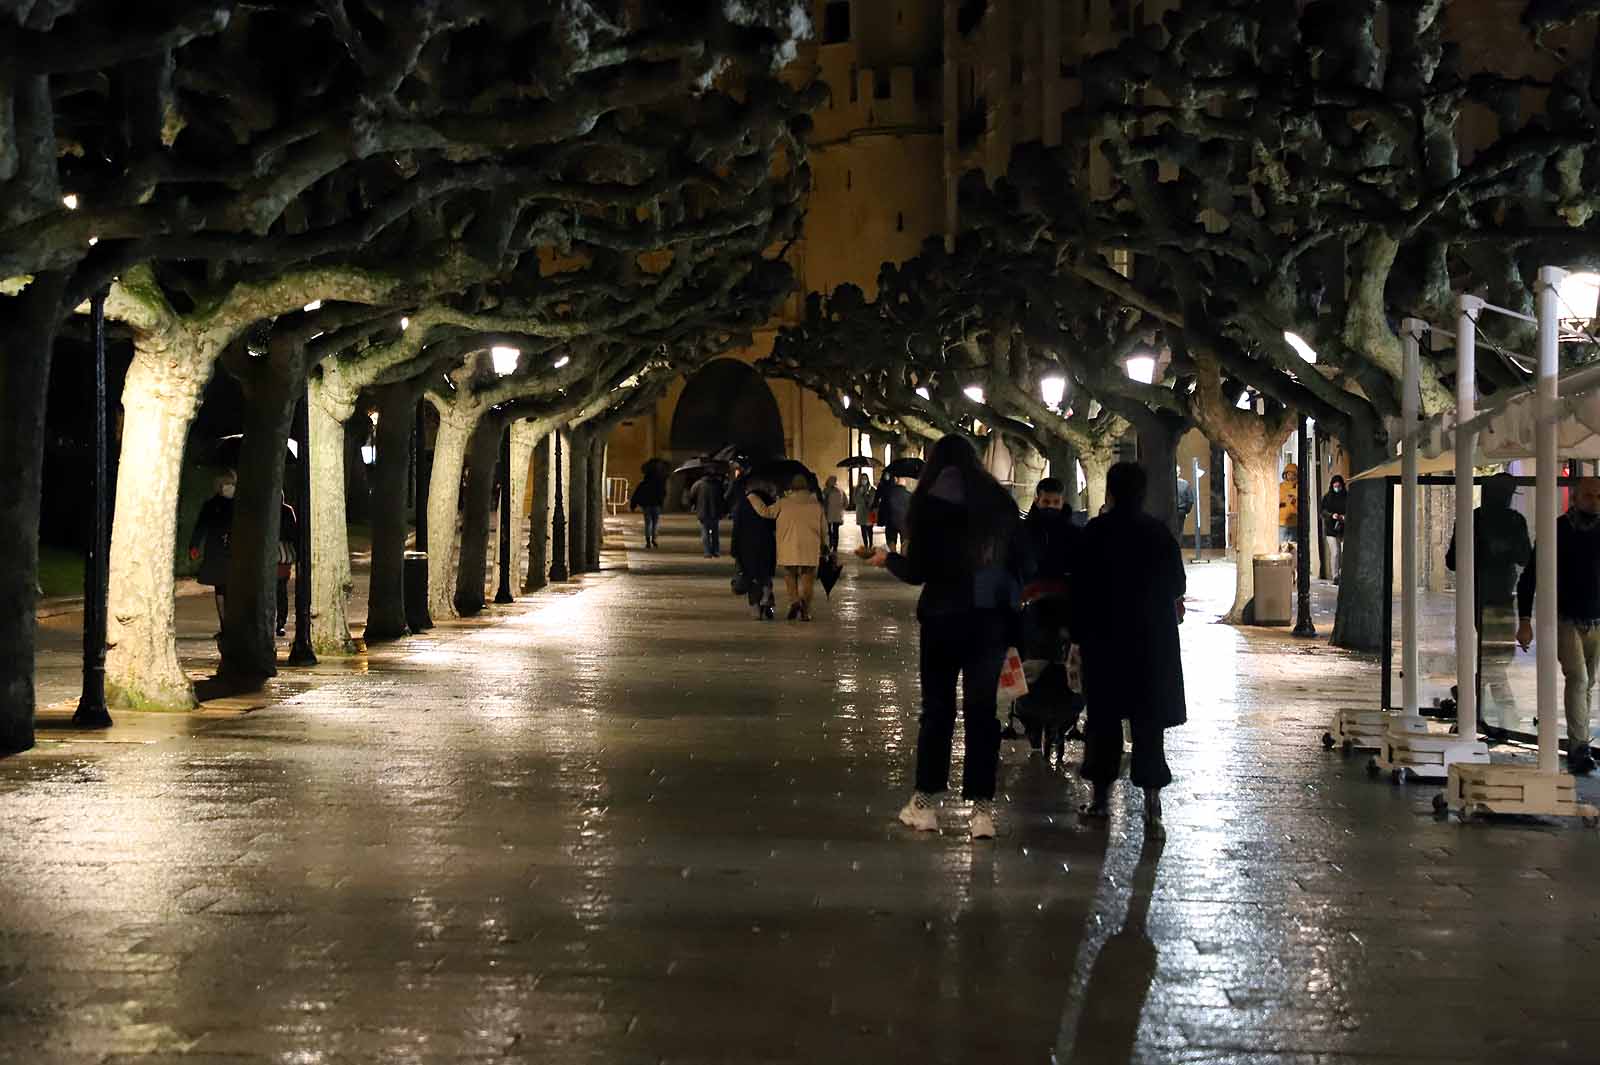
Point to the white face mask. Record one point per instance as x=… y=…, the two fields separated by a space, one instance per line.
x=227 y=491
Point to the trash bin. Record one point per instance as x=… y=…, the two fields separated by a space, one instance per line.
x=416 y=591
x=1274 y=601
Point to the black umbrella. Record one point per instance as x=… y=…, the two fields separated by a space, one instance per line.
x=906 y=467
x=858 y=462
x=782 y=473
x=701 y=465
x=726 y=453
x=227 y=450
x=828 y=571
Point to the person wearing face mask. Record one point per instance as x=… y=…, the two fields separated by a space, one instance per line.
x=1577 y=550
x=1335 y=505
x=209 y=541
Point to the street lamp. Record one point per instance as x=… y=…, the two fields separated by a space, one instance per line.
x=1303 y=625
x=974 y=393
x=505 y=360
x=1054 y=391
x=562 y=361
x=924 y=393
x=1141 y=368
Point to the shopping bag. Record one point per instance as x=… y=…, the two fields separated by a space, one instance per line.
x=1013 y=684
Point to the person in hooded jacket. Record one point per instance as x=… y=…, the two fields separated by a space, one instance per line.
x=755 y=546
x=802 y=533
x=893 y=504
x=1501 y=549
x=1335 y=505
x=1127 y=602
x=649 y=497
x=968 y=553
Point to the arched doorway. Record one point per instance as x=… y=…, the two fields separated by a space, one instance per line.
x=727 y=402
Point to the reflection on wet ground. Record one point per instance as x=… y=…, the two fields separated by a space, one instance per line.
x=631 y=824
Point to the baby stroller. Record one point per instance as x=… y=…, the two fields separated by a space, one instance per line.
x=1049 y=712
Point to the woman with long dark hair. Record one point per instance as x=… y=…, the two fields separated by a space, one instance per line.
x=965 y=549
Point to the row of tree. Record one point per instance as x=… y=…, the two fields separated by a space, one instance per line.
x=349 y=203
x=1242 y=173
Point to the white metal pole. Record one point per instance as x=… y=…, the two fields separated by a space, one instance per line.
x=1544 y=525
x=1411 y=333
x=1466 y=530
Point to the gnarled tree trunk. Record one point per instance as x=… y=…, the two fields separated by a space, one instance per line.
x=159 y=402
x=28 y=325
x=577 y=488
x=539 y=518
x=483 y=456
x=331 y=581
x=1096 y=464
x=1158 y=454
x=1358 y=625
x=525 y=437
x=1256 y=532
x=597 y=501
x=391 y=472
x=1027 y=470
x=444 y=497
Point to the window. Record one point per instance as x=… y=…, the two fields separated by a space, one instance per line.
x=836 y=22
x=899 y=221
x=880 y=85
x=855 y=88
x=849 y=179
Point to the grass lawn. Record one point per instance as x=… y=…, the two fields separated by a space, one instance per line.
x=60 y=571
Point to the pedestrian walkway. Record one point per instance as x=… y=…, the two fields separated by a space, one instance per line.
x=627 y=823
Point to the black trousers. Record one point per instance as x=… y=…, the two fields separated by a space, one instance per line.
x=283 y=601
x=1102 y=752
x=866 y=534
x=970 y=646
x=833 y=533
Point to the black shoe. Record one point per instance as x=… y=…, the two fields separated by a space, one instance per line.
x=282 y=631
x=1580 y=763
x=794 y=611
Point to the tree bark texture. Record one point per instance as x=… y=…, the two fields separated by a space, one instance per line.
x=28 y=325
x=444 y=498
x=1255 y=486
x=539 y=516
x=275 y=384
x=1158 y=454
x=331 y=580
x=386 y=598
x=483 y=456
x=159 y=401
x=1358 y=624
x=577 y=489
x=524 y=439
x=1096 y=465
x=1027 y=470
x=597 y=502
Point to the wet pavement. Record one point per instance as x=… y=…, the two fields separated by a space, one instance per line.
x=626 y=823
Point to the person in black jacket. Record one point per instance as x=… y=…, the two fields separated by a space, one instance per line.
x=209 y=541
x=1501 y=546
x=1127 y=601
x=755 y=546
x=967 y=551
x=649 y=497
x=1335 y=504
x=1577 y=550
x=893 y=504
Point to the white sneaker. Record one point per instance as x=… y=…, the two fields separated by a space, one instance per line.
x=982 y=823
x=921 y=818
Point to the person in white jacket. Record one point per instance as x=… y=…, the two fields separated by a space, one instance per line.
x=833 y=502
x=802 y=532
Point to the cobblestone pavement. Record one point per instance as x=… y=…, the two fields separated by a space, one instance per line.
x=629 y=824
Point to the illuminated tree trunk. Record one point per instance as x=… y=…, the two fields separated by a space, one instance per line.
x=444 y=495
x=159 y=402
x=1096 y=464
x=597 y=502
x=483 y=454
x=386 y=602
x=1256 y=533
x=28 y=325
x=539 y=518
x=1358 y=625
x=524 y=438
x=577 y=488
x=331 y=581
x=1027 y=470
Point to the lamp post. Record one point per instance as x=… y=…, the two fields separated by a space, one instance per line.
x=420 y=491
x=558 y=525
x=503 y=595
x=301 y=653
x=92 y=712
x=1303 y=625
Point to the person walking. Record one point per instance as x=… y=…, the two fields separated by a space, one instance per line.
x=1335 y=504
x=755 y=548
x=1501 y=546
x=648 y=497
x=1127 y=602
x=802 y=533
x=1289 y=503
x=833 y=502
x=893 y=504
x=1577 y=549
x=209 y=541
x=706 y=499
x=865 y=494
x=967 y=552
x=288 y=539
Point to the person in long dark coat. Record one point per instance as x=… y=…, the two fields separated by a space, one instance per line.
x=650 y=496
x=209 y=541
x=755 y=547
x=1127 y=603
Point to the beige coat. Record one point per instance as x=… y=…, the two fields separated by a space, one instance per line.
x=802 y=527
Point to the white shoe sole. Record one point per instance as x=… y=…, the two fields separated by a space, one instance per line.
x=981 y=830
x=910 y=820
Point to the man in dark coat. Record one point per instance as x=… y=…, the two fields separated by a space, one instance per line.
x=1501 y=549
x=755 y=546
x=1128 y=585
x=649 y=497
x=894 y=508
x=706 y=498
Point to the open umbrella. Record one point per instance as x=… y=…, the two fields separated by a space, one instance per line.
x=858 y=462
x=828 y=571
x=702 y=465
x=227 y=450
x=783 y=471
x=906 y=467
x=726 y=453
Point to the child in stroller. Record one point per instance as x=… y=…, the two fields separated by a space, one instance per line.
x=1049 y=712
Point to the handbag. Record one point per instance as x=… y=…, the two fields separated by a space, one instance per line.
x=872 y=517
